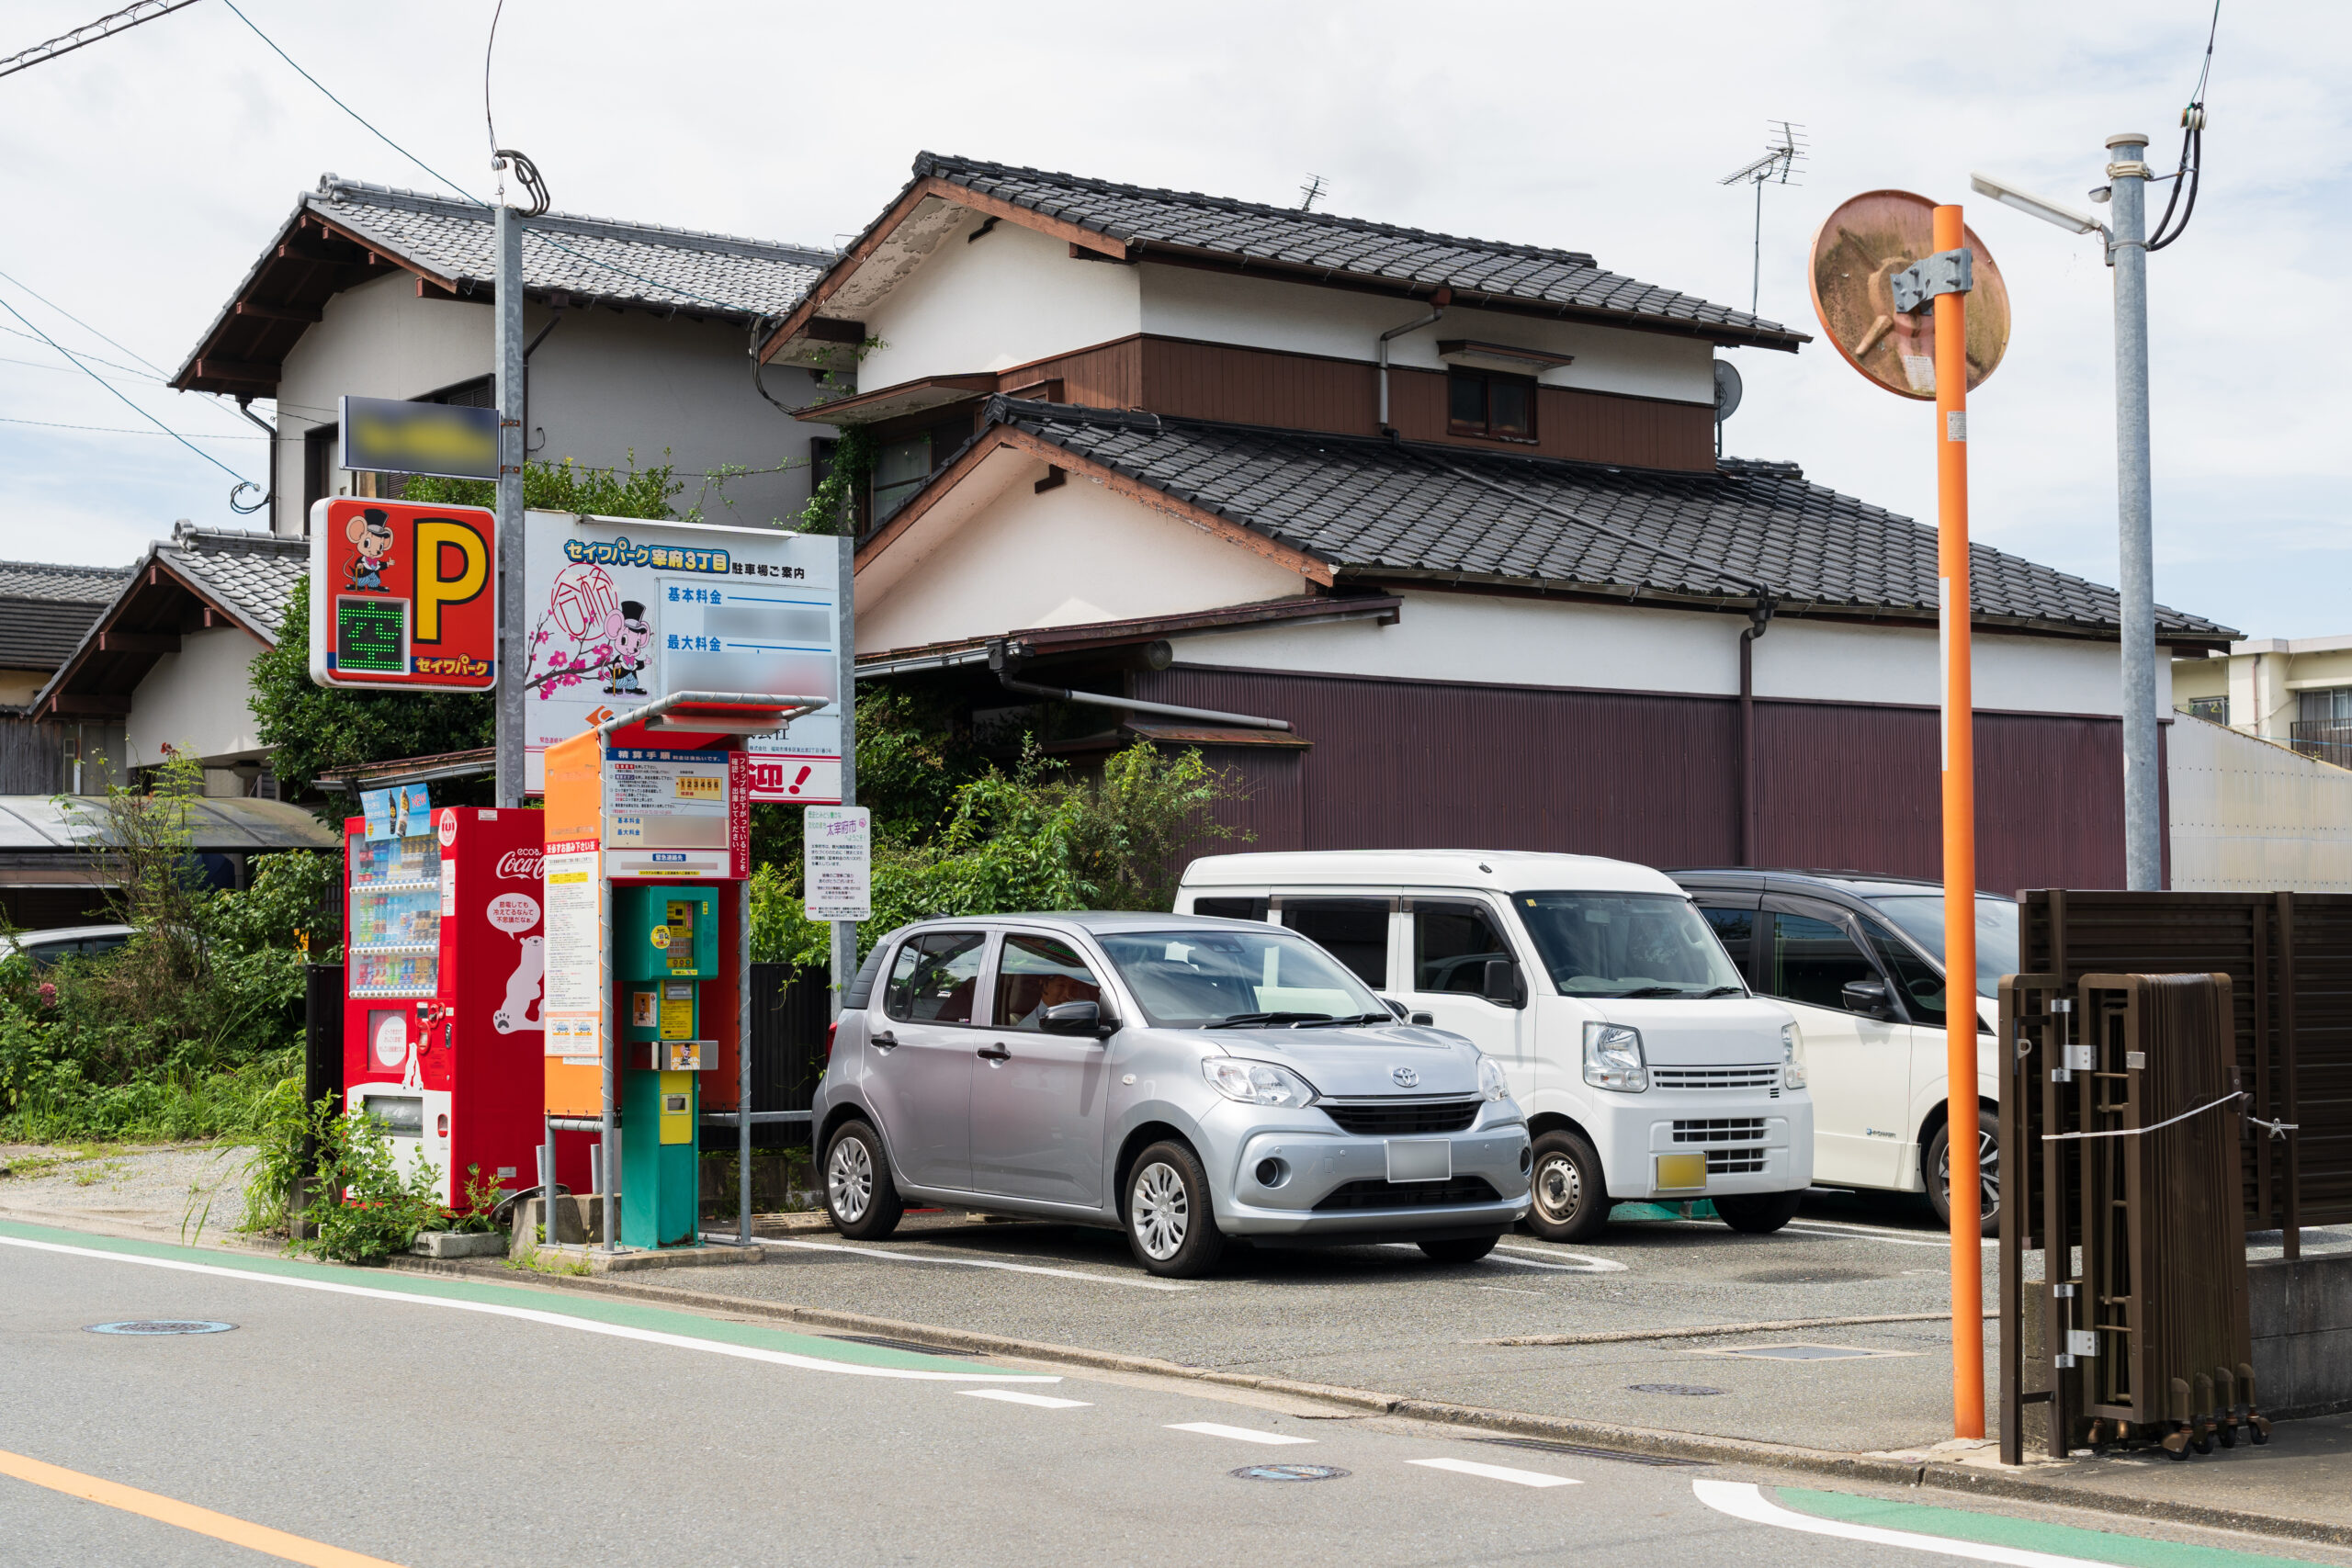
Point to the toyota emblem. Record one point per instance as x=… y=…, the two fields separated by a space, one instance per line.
x=1405 y=1076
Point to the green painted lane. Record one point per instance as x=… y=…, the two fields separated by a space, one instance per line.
x=2021 y=1535
x=588 y=1309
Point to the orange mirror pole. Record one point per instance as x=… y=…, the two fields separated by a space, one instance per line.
x=1959 y=846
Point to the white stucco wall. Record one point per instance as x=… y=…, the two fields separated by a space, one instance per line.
x=195 y=700
x=1010 y=297
x=602 y=383
x=1265 y=312
x=2249 y=816
x=1073 y=554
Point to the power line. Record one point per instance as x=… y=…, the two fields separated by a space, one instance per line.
x=105 y=26
x=119 y=429
x=81 y=324
x=93 y=358
x=125 y=402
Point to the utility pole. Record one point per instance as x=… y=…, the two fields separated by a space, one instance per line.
x=844 y=954
x=2127 y=173
x=512 y=668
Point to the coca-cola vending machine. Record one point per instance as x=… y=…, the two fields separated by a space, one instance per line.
x=444 y=963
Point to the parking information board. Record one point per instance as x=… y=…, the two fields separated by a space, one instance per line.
x=838 y=870
x=400 y=596
x=619 y=611
x=676 y=813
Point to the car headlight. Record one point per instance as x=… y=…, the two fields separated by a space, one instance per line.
x=1613 y=1059
x=1792 y=1057
x=1256 y=1083
x=1491 y=1081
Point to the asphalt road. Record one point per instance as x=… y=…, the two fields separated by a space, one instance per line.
x=425 y=1421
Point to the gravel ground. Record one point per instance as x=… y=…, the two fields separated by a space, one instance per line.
x=139 y=1184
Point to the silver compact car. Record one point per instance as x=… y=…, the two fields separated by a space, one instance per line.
x=1183 y=1078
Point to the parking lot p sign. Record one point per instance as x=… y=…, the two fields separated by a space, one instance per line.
x=838 y=842
x=402 y=595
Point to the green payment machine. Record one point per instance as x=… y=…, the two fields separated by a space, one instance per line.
x=665 y=947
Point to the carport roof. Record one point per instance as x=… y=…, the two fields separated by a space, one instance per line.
x=1387 y=512
x=78 y=823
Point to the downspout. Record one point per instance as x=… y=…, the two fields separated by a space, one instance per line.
x=245 y=407
x=1438 y=302
x=1760 y=622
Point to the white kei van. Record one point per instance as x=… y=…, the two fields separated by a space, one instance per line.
x=1647 y=1069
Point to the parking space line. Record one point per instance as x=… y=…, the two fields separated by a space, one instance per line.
x=1014 y=1396
x=187 y=1516
x=1239 y=1434
x=981 y=1263
x=1876 y=1233
x=1585 y=1262
x=1496 y=1472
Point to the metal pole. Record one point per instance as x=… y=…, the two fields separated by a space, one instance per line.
x=744 y=1062
x=1960 y=844
x=2127 y=252
x=511 y=667
x=609 y=1050
x=845 y=931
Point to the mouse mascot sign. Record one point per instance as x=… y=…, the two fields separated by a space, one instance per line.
x=402 y=595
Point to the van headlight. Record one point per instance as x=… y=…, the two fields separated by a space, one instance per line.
x=1491 y=1081
x=1613 y=1059
x=1792 y=1057
x=1256 y=1083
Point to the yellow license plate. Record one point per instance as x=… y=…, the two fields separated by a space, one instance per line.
x=1682 y=1173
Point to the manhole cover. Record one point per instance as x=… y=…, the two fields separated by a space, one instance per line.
x=1289 y=1473
x=1822 y=1276
x=1690 y=1390
x=1583 y=1451
x=163 y=1326
x=1804 y=1353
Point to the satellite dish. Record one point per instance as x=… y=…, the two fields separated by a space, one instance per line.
x=1726 y=390
x=1856 y=254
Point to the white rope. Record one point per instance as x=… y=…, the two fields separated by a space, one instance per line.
x=2135 y=1132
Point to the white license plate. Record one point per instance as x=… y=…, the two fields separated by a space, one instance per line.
x=1421 y=1159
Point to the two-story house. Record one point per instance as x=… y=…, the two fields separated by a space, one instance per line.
x=1426 y=538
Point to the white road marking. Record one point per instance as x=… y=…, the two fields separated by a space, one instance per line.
x=1014 y=1396
x=527 y=1315
x=1741 y=1500
x=1585 y=1262
x=1877 y=1233
x=1239 y=1434
x=983 y=1263
x=1496 y=1473
x=1506 y=1290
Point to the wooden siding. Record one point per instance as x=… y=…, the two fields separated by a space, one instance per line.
x=1655 y=778
x=1188 y=380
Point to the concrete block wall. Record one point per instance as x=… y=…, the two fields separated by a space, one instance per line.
x=2301 y=1317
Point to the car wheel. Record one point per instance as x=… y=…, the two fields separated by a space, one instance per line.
x=860 y=1197
x=1569 y=1202
x=1758 y=1214
x=1937 y=1158
x=1460 y=1248
x=1169 y=1225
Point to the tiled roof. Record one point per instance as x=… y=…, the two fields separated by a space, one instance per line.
x=1352 y=247
x=1380 y=510
x=249 y=573
x=45 y=610
x=66 y=585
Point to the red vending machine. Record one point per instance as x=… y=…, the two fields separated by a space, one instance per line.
x=443 y=960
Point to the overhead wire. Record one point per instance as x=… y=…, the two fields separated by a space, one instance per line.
x=2191 y=173
x=125 y=399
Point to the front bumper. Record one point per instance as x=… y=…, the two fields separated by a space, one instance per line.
x=1651 y=1144
x=1332 y=1183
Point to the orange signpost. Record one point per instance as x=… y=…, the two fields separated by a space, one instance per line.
x=1892 y=274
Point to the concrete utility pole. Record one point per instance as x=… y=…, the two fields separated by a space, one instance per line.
x=845 y=931
x=512 y=668
x=2127 y=173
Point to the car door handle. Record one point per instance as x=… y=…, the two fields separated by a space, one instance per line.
x=886 y=1041
x=995 y=1053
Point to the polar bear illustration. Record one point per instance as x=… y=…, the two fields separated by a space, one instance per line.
x=523 y=988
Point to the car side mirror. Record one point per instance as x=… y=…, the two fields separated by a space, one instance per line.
x=1395 y=1007
x=1501 y=983
x=1869 y=997
x=1079 y=1018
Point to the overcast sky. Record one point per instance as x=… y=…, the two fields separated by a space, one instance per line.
x=142 y=175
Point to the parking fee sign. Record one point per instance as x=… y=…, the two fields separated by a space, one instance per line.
x=838 y=842
x=400 y=595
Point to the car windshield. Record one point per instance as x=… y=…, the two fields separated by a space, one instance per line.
x=1208 y=977
x=1921 y=917
x=1627 y=944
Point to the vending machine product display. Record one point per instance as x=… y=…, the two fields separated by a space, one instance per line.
x=443 y=960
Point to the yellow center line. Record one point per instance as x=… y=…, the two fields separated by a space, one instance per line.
x=187 y=1516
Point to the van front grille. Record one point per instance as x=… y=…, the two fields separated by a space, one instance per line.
x=1409 y=1194
x=1376 y=1118
x=1759 y=1076
x=1735 y=1162
x=1719 y=1129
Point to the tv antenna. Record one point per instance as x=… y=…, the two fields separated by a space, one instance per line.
x=1783 y=149
x=1311 y=189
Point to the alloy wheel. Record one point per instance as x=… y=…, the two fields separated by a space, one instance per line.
x=1161 y=1212
x=1989 y=1173
x=849 y=1180
x=1559 y=1189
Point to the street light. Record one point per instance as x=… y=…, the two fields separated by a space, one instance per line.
x=2024 y=200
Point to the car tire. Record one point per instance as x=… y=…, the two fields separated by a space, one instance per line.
x=1758 y=1214
x=1567 y=1198
x=860 y=1198
x=1171 y=1227
x=1460 y=1248
x=1935 y=1163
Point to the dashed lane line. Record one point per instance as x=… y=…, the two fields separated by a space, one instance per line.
x=1496 y=1472
x=1014 y=1396
x=1239 y=1434
x=981 y=1263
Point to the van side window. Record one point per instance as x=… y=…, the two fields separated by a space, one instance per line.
x=1232 y=908
x=1735 y=929
x=1354 y=930
x=1813 y=961
x=1921 y=989
x=935 y=977
x=1452 y=944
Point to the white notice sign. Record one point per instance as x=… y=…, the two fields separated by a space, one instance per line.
x=839 y=871
x=574 y=892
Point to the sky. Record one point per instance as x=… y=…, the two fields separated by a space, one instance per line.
x=146 y=173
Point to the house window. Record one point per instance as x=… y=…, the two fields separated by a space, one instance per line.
x=318 y=469
x=899 y=469
x=2215 y=708
x=1482 y=402
x=2330 y=705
